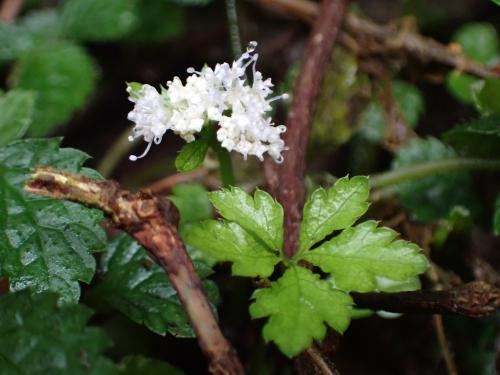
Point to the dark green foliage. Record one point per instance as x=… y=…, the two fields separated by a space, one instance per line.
x=45 y=244
x=39 y=337
x=139 y=288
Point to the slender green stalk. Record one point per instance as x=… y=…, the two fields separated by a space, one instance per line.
x=234 y=31
x=225 y=166
x=115 y=154
x=429 y=168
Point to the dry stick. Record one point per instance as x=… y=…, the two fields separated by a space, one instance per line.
x=152 y=222
x=422 y=48
x=290 y=191
x=443 y=343
x=10 y=9
x=474 y=299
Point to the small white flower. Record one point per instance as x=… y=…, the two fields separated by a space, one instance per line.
x=151 y=117
x=223 y=95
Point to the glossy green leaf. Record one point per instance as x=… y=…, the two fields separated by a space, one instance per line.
x=361 y=253
x=298 y=305
x=39 y=337
x=476 y=138
x=434 y=196
x=139 y=288
x=45 y=244
x=192 y=155
x=135 y=365
x=479 y=41
x=496 y=217
x=97 y=20
x=333 y=209
x=260 y=215
x=497 y=2
x=227 y=241
x=16 y=110
x=486 y=96
x=191 y=199
x=63 y=76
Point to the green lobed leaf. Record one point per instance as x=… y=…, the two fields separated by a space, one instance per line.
x=361 y=253
x=37 y=337
x=45 y=244
x=260 y=215
x=496 y=217
x=333 y=209
x=63 y=76
x=135 y=364
x=192 y=155
x=139 y=288
x=97 y=20
x=476 y=138
x=479 y=41
x=298 y=305
x=434 y=196
x=486 y=94
x=16 y=109
x=227 y=241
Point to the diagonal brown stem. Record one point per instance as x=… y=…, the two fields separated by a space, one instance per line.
x=416 y=45
x=290 y=191
x=152 y=221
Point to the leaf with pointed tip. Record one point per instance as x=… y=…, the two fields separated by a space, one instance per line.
x=192 y=155
x=260 y=215
x=227 y=241
x=356 y=256
x=45 y=244
x=333 y=209
x=298 y=305
x=39 y=337
x=139 y=288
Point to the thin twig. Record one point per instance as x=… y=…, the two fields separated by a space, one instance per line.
x=290 y=191
x=10 y=9
x=443 y=343
x=429 y=168
x=474 y=299
x=323 y=366
x=152 y=221
x=393 y=40
x=165 y=185
x=115 y=153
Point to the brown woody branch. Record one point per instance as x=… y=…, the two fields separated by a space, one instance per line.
x=152 y=221
x=390 y=38
x=474 y=299
x=290 y=176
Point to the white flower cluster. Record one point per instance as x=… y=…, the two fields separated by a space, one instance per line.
x=222 y=95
